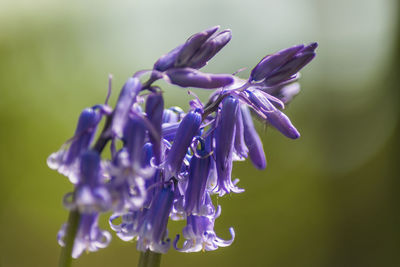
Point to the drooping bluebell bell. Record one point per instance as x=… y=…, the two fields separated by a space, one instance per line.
x=199 y=169
x=91 y=197
x=153 y=230
x=186 y=131
x=252 y=140
x=89 y=236
x=124 y=104
x=66 y=160
x=91 y=193
x=131 y=222
x=262 y=106
x=154 y=111
x=199 y=235
x=128 y=174
x=240 y=148
x=224 y=145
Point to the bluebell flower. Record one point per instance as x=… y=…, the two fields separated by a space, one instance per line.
x=131 y=222
x=187 y=129
x=66 y=160
x=91 y=194
x=240 y=148
x=124 y=104
x=154 y=112
x=199 y=169
x=252 y=140
x=261 y=104
x=89 y=236
x=199 y=235
x=153 y=230
x=224 y=145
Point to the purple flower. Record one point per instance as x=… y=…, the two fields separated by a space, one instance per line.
x=187 y=129
x=165 y=163
x=130 y=224
x=134 y=137
x=66 y=161
x=195 y=195
x=154 y=111
x=224 y=144
x=124 y=104
x=200 y=235
x=89 y=236
x=91 y=195
x=252 y=140
x=128 y=182
x=240 y=147
x=153 y=230
x=260 y=102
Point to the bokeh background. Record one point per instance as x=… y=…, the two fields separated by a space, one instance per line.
x=328 y=199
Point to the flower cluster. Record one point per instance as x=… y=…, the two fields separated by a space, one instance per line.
x=165 y=163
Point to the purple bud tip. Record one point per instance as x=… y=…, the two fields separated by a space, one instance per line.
x=271 y=63
x=87 y=119
x=310 y=48
x=282 y=123
x=192 y=45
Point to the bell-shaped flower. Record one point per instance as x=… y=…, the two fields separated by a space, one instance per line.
x=240 y=148
x=199 y=235
x=154 y=112
x=89 y=236
x=252 y=140
x=224 y=144
x=124 y=104
x=130 y=223
x=66 y=160
x=262 y=105
x=187 y=129
x=153 y=231
x=196 y=201
x=91 y=194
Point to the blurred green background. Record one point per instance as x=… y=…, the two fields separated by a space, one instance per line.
x=327 y=199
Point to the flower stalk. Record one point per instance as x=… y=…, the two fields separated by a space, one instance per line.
x=66 y=251
x=149 y=259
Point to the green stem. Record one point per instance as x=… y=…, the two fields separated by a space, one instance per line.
x=72 y=228
x=149 y=259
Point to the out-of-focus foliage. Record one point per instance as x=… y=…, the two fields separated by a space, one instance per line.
x=327 y=199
